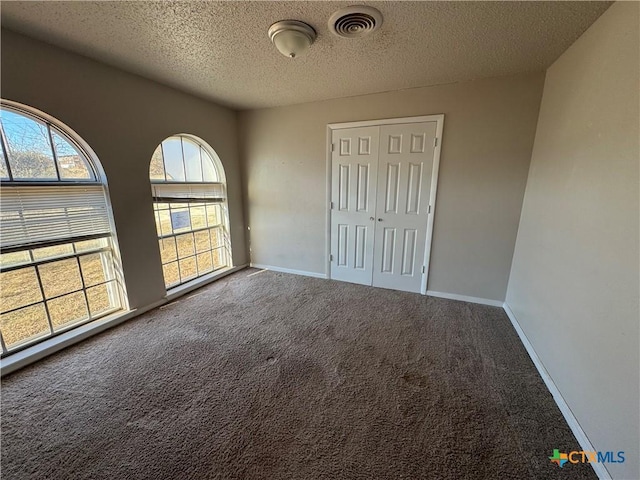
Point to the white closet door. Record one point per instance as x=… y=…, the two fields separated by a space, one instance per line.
x=354 y=164
x=402 y=206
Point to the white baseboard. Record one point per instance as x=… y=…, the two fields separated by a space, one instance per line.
x=568 y=415
x=464 y=298
x=288 y=270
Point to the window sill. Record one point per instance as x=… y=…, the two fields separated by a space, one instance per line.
x=47 y=347
x=22 y=358
x=196 y=283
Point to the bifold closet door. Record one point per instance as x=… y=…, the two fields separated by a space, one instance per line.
x=405 y=168
x=354 y=177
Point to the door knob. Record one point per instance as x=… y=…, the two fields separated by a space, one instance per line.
x=371 y=218
x=379 y=219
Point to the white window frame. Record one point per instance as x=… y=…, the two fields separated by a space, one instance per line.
x=116 y=287
x=194 y=193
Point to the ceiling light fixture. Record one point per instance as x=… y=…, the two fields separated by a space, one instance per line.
x=291 y=37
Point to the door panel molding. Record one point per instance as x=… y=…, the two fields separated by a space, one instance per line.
x=354 y=170
x=406 y=244
x=399 y=266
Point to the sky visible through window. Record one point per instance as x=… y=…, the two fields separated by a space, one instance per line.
x=31 y=154
x=180 y=159
x=25 y=134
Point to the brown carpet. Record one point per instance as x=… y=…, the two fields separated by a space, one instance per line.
x=275 y=376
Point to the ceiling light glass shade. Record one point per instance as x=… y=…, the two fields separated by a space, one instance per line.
x=291 y=37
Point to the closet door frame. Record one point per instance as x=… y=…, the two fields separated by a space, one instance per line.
x=439 y=119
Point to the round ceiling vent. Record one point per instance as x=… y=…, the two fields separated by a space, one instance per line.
x=355 y=21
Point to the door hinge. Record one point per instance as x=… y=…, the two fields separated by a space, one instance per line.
x=435 y=142
x=429 y=211
x=423 y=269
x=331 y=205
x=333 y=147
x=331 y=257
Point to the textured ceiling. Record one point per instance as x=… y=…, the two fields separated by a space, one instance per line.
x=220 y=50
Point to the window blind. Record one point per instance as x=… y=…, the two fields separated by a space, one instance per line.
x=40 y=214
x=188 y=192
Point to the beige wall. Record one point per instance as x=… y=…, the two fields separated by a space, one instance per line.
x=574 y=282
x=488 y=134
x=123 y=117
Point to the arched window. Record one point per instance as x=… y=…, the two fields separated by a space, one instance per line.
x=190 y=204
x=58 y=262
